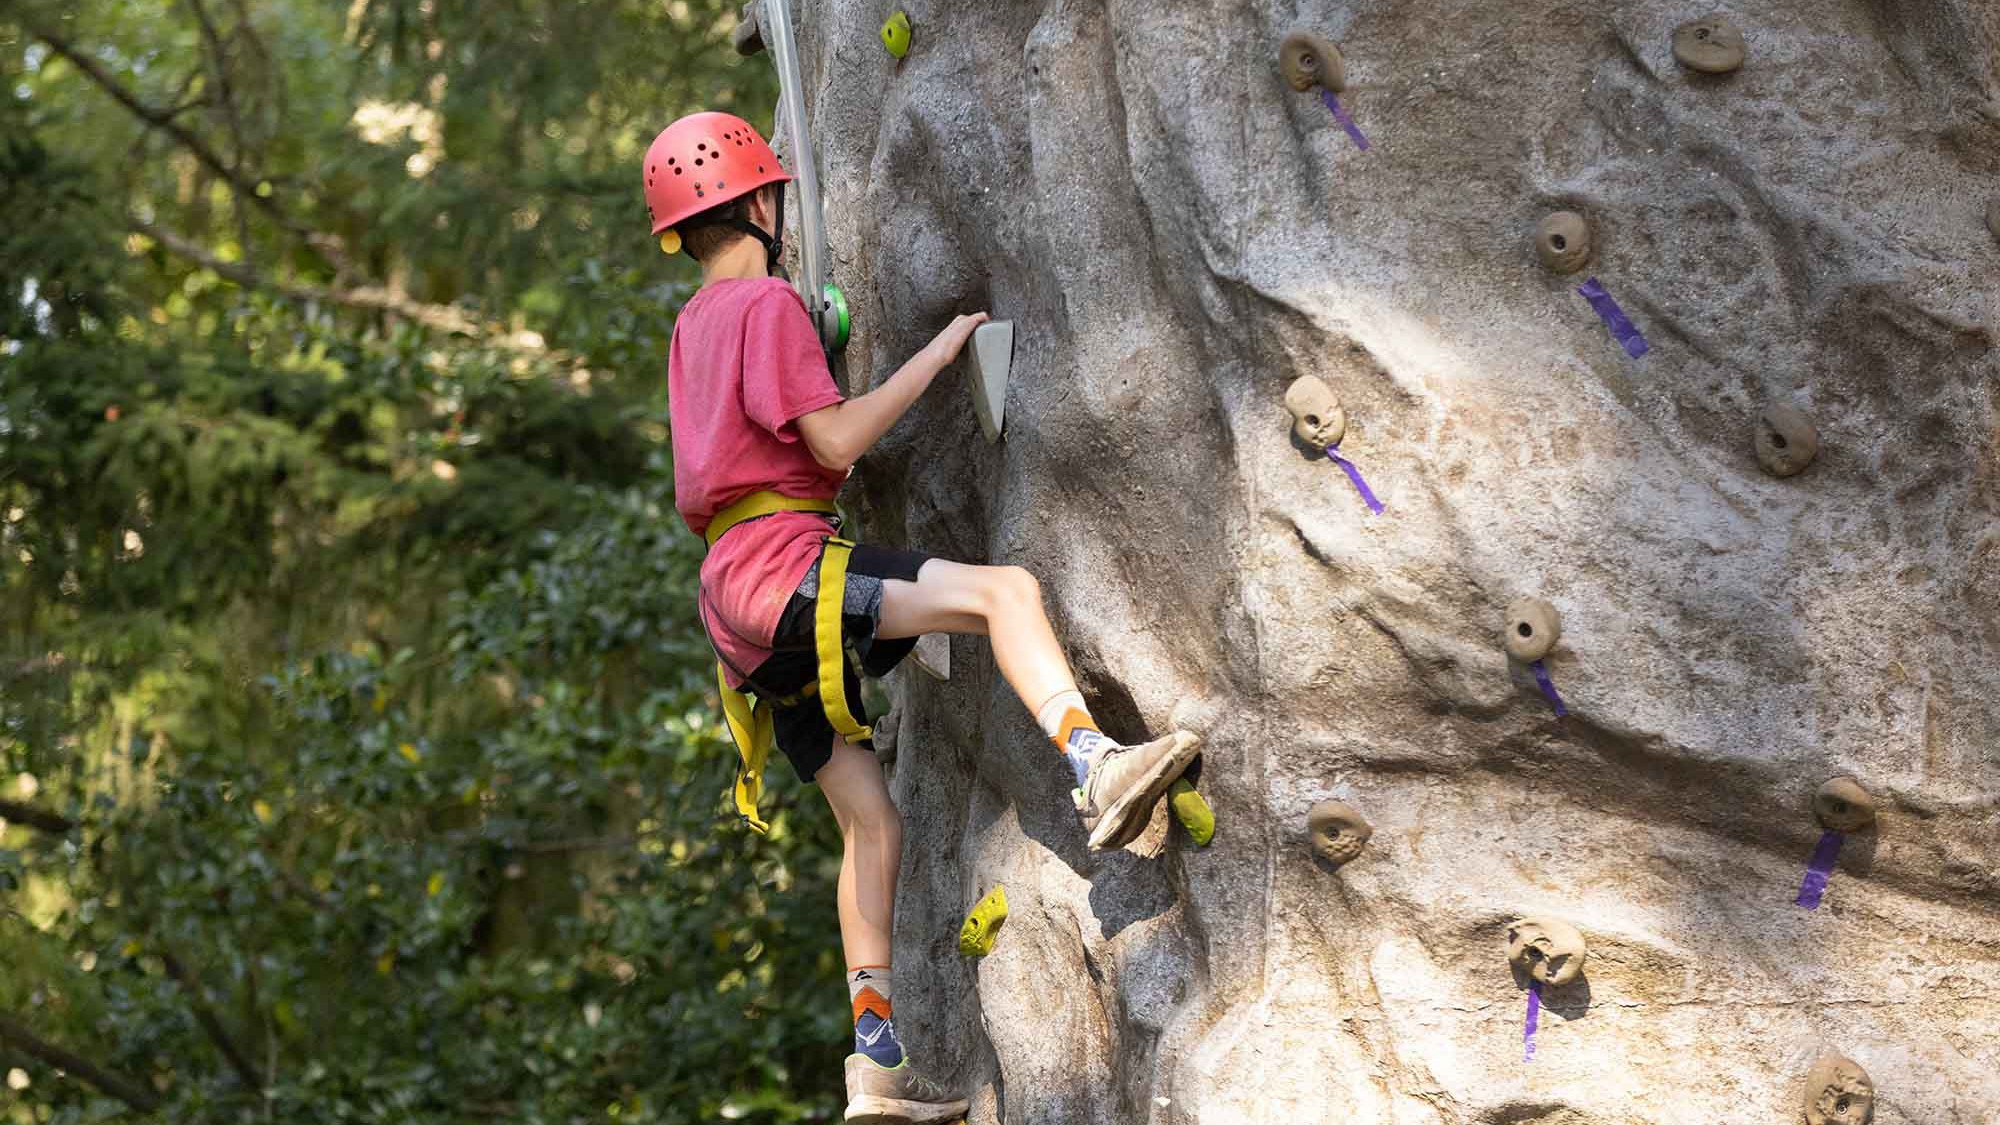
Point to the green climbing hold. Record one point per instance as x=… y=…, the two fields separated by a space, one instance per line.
x=896 y=34
x=975 y=938
x=1192 y=809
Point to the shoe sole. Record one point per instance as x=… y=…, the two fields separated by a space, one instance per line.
x=868 y=1109
x=1127 y=816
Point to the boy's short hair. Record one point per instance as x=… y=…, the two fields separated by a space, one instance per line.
x=708 y=232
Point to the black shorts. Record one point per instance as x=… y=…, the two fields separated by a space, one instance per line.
x=802 y=730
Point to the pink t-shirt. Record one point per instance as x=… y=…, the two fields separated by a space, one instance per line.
x=744 y=367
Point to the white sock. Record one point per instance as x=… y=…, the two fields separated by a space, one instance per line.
x=1084 y=742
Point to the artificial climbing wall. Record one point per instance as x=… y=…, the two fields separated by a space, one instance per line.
x=1180 y=235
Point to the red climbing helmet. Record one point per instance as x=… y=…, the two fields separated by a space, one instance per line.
x=705 y=160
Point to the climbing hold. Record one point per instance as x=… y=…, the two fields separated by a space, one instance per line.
x=1712 y=45
x=1842 y=805
x=1192 y=810
x=1533 y=628
x=1309 y=60
x=992 y=358
x=933 y=655
x=1621 y=327
x=1317 y=418
x=1838 y=1092
x=1787 y=440
x=896 y=34
x=1338 y=832
x=1563 y=242
x=1549 y=950
x=982 y=926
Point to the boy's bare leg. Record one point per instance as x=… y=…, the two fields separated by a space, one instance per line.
x=1117 y=785
x=871 y=833
x=881 y=1089
x=1002 y=602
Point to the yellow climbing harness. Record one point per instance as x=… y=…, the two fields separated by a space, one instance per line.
x=750 y=724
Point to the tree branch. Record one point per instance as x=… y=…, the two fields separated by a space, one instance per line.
x=15 y=813
x=165 y=122
x=17 y=1035
x=205 y=1016
x=373 y=298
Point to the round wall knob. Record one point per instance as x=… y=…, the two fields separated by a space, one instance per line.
x=1317 y=417
x=1844 y=806
x=1547 y=949
x=1338 y=832
x=1563 y=242
x=1838 y=1092
x=1309 y=60
x=1712 y=45
x=1533 y=628
x=1787 y=440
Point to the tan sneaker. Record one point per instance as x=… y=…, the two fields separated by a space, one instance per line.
x=1124 y=784
x=885 y=1095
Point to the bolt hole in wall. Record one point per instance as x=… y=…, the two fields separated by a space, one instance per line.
x=1526 y=629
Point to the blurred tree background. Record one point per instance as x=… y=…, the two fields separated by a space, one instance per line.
x=356 y=756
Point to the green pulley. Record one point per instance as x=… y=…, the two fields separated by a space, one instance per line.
x=833 y=321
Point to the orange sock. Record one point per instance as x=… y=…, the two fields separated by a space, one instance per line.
x=869 y=989
x=1069 y=725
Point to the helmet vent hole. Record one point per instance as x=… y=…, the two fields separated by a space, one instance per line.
x=670 y=161
x=697 y=161
x=760 y=167
x=680 y=171
x=719 y=185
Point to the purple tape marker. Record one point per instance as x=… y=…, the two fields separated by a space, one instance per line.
x=1614 y=318
x=1819 y=869
x=1354 y=474
x=1534 y=1017
x=1541 y=671
x=1346 y=122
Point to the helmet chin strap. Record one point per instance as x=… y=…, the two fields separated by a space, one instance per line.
x=774 y=246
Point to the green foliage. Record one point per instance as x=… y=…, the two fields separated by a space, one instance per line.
x=346 y=614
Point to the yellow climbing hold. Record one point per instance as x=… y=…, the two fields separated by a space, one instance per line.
x=896 y=34
x=670 y=241
x=1192 y=809
x=975 y=938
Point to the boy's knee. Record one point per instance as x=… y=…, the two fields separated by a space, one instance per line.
x=1013 y=587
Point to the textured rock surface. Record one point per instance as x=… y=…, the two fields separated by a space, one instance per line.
x=1178 y=236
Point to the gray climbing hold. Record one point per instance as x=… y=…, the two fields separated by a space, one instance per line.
x=1533 y=628
x=933 y=654
x=992 y=360
x=1844 y=806
x=1309 y=60
x=1549 y=950
x=1317 y=418
x=1712 y=45
x=1338 y=832
x=1838 y=1092
x=1563 y=242
x=1787 y=440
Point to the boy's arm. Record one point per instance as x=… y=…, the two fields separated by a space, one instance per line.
x=839 y=434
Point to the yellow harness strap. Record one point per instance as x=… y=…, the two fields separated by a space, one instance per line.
x=750 y=724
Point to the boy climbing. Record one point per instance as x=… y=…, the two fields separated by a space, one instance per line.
x=762 y=440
